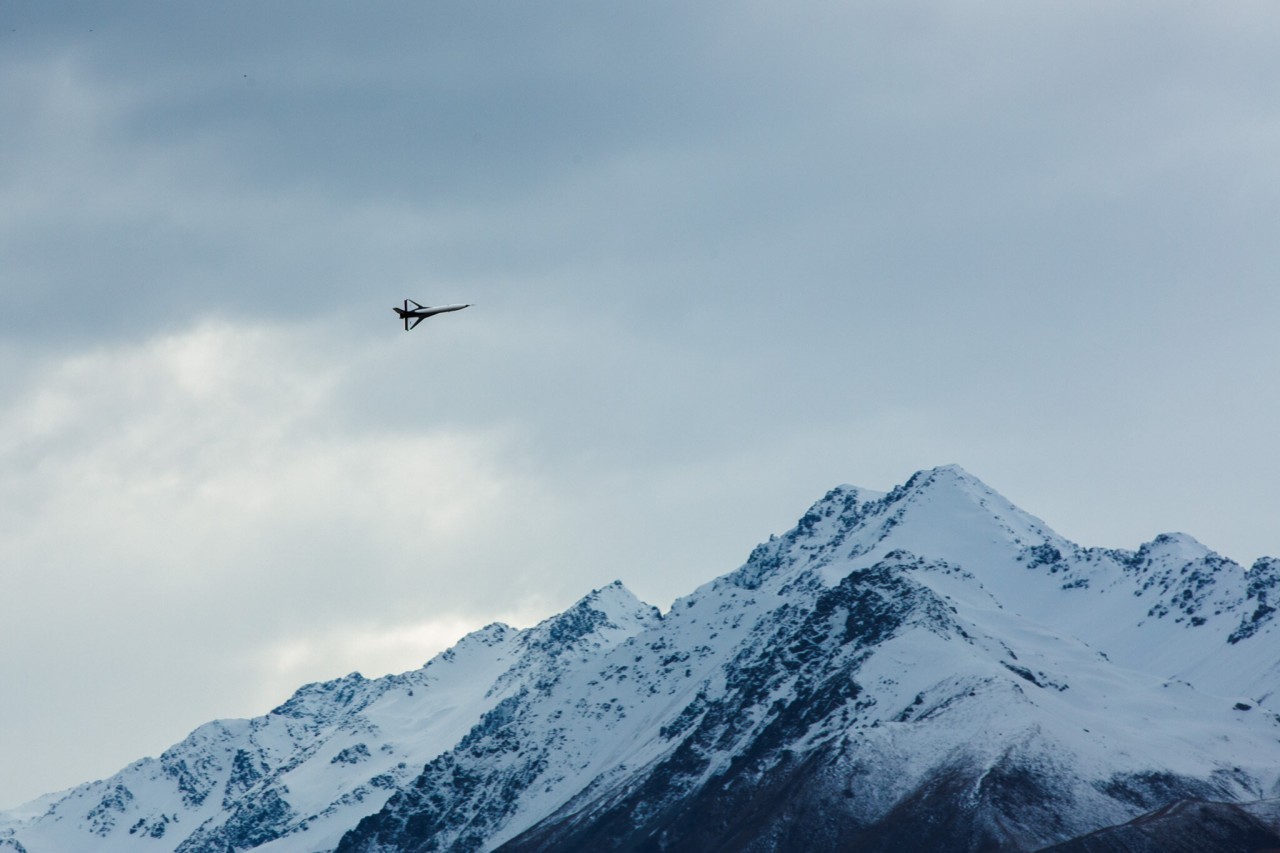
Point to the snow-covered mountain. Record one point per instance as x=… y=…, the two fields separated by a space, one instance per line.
x=931 y=668
x=301 y=776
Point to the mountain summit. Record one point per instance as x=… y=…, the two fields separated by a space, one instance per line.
x=928 y=668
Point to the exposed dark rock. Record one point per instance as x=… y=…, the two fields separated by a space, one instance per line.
x=1188 y=826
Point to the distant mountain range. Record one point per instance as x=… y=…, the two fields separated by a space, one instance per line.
x=927 y=669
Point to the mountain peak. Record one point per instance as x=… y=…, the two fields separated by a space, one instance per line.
x=950 y=471
x=615 y=600
x=941 y=513
x=598 y=621
x=320 y=697
x=1177 y=545
x=946 y=479
x=609 y=607
x=478 y=644
x=947 y=512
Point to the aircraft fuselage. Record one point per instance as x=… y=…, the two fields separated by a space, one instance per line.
x=418 y=313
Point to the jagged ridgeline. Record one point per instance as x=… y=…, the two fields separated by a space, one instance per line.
x=928 y=669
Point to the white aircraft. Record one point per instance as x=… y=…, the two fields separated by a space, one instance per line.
x=418 y=313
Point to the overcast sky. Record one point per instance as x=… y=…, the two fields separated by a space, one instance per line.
x=723 y=257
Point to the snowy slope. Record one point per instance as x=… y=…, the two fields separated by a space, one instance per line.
x=1173 y=607
x=839 y=686
x=930 y=668
x=299 y=777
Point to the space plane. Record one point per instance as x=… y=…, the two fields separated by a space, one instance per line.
x=418 y=313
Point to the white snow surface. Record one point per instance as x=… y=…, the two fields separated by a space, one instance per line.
x=1007 y=643
x=333 y=753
